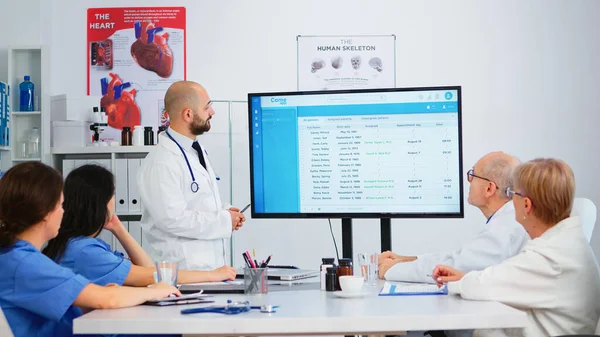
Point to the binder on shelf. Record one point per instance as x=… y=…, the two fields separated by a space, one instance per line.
x=118 y=245
x=144 y=239
x=79 y=163
x=101 y=162
x=135 y=229
x=121 y=182
x=4 y=114
x=135 y=205
x=68 y=165
x=107 y=237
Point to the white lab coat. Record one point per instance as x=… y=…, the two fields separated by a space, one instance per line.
x=503 y=237
x=177 y=224
x=554 y=280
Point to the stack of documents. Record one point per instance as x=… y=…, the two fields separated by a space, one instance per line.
x=408 y=289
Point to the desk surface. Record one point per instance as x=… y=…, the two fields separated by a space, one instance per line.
x=309 y=312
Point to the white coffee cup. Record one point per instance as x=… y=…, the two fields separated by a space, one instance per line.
x=351 y=284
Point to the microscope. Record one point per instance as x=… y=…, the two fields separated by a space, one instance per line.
x=99 y=122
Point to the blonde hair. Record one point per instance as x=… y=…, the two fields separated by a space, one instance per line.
x=550 y=184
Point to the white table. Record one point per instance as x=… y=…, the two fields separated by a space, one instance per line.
x=309 y=312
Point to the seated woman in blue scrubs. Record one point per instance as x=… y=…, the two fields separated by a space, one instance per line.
x=39 y=297
x=89 y=207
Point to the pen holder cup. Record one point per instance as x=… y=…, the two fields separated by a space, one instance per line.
x=256 y=281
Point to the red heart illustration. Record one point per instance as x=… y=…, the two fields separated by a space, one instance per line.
x=151 y=51
x=120 y=105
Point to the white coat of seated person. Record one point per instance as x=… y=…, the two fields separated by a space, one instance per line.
x=501 y=237
x=555 y=280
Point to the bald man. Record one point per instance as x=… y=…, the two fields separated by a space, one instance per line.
x=183 y=218
x=501 y=238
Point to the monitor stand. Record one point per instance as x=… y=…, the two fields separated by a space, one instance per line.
x=386 y=236
x=347 y=238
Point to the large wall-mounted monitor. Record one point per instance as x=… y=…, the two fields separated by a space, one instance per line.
x=373 y=153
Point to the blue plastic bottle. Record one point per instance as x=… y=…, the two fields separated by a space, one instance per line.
x=26 y=88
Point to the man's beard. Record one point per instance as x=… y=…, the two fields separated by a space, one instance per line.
x=199 y=126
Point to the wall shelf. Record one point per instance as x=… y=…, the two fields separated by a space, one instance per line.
x=102 y=149
x=32 y=61
x=25 y=113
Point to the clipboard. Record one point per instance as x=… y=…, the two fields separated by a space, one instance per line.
x=194 y=298
x=412 y=289
x=180 y=302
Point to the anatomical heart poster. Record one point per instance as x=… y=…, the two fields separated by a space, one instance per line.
x=346 y=62
x=133 y=55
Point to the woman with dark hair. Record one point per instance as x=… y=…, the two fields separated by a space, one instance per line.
x=39 y=297
x=89 y=207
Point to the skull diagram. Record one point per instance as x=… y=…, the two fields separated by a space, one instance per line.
x=316 y=65
x=355 y=61
x=376 y=64
x=336 y=62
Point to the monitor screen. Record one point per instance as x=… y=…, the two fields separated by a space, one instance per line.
x=368 y=153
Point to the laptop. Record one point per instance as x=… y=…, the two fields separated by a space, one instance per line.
x=284 y=274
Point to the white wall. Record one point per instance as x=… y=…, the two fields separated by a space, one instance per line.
x=24 y=22
x=12 y=18
x=529 y=73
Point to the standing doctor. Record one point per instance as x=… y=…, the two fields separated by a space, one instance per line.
x=184 y=220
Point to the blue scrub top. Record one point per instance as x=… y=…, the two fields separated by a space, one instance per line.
x=93 y=259
x=36 y=294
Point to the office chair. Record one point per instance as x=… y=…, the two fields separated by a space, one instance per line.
x=586 y=210
x=4 y=327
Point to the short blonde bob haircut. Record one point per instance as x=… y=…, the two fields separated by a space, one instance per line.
x=550 y=184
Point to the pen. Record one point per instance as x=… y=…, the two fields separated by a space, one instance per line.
x=247 y=260
x=245 y=208
x=267 y=262
x=429 y=275
x=252 y=265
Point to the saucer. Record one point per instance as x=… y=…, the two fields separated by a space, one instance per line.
x=344 y=294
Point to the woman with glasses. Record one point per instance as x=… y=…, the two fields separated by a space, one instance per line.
x=555 y=278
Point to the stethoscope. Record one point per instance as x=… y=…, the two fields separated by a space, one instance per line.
x=232 y=308
x=194 y=185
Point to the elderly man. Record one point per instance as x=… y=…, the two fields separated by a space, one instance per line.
x=502 y=237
